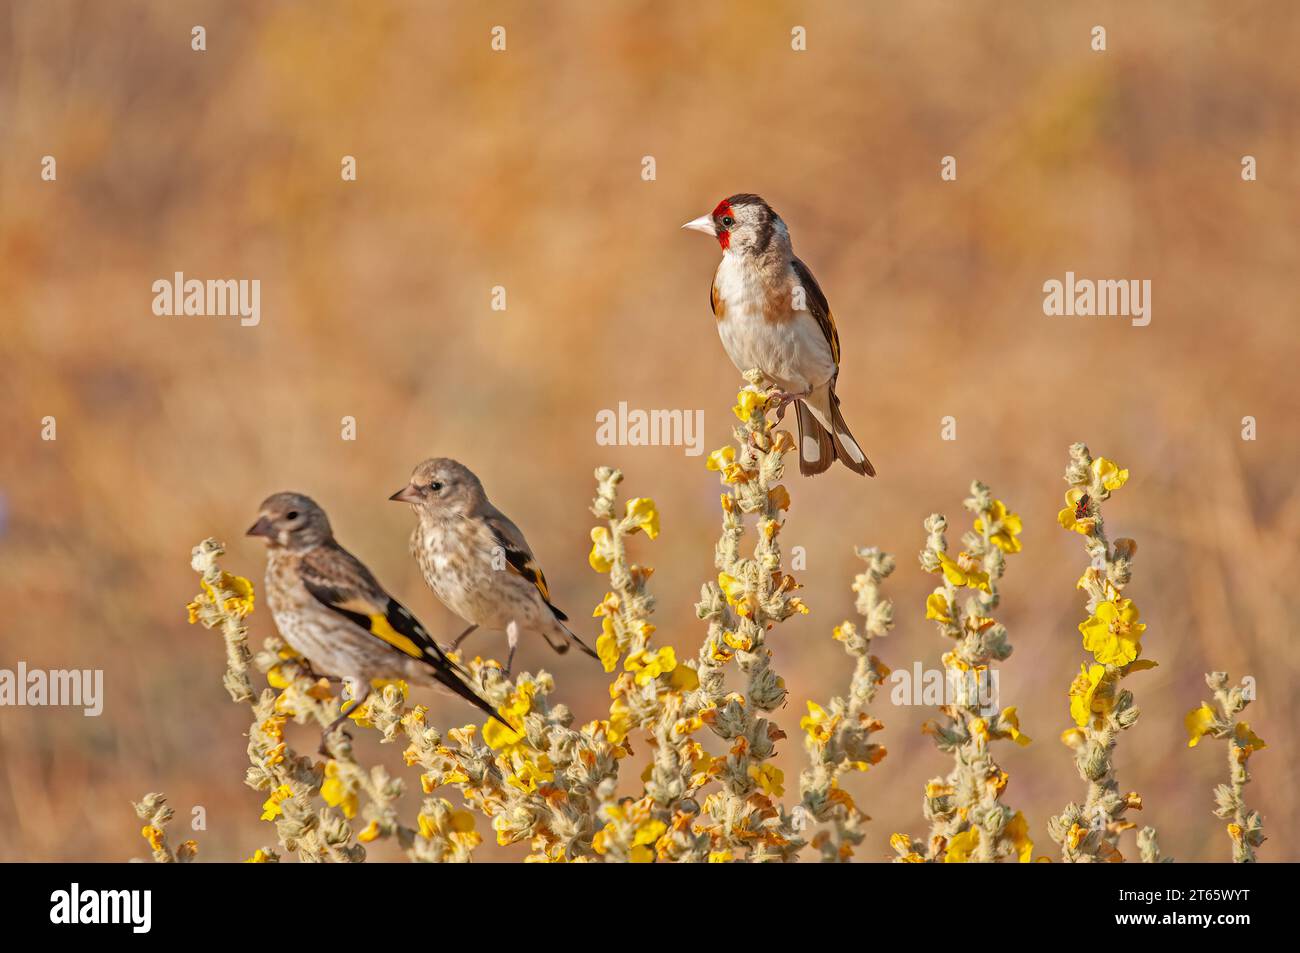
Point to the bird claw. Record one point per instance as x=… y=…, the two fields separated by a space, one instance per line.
x=784 y=400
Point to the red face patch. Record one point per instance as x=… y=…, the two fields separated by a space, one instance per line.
x=724 y=236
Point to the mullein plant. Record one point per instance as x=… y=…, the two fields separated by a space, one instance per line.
x=750 y=597
x=837 y=737
x=1245 y=827
x=968 y=820
x=155 y=813
x=289 y=779
x=1100 y=707
x=542 y=780
x=548 y=782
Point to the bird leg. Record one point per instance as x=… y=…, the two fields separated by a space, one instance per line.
x=512 y=639
x=784 y=399
x=462 y=637
x=343 y=714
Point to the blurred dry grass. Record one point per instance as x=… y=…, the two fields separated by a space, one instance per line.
x=522 y=169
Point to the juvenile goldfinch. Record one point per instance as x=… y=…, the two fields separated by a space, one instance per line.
x=773 y=316
x=477 y=561
x=331 y=610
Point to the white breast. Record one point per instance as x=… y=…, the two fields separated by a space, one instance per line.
x=760 y=329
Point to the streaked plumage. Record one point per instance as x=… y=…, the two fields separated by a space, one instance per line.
x=330 y=608
x=476 y=560
x=753 y=298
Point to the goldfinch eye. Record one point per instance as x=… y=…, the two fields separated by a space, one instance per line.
x=728 y=221
x=435 y=486
x=291 y=515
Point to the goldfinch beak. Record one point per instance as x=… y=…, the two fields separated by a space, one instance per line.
x=261 y=528
x=407 y=494
x=702 y=224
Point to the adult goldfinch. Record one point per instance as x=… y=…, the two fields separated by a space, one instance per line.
x=772 y=316
x=477 y=561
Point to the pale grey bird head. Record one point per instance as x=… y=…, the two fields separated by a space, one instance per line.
x=293 y=521
x=442 y=485
x=744 y=224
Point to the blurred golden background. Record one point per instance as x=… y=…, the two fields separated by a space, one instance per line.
x=523 y=169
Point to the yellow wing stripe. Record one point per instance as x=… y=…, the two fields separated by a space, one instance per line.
x=379 y=626
x=534 y=575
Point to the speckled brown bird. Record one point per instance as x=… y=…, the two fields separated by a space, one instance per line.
x=772 y=316
x=477 y=561
x=332 y=610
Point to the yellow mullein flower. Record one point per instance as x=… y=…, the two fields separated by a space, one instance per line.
x=1010 y=723
x=1069 y=519
x=271 y=807
x=650 y=665
x=642 y=514
x=903 y=845
x=259 y=857
x=335 y=793
x=1075 y=836
x=620 y=721
x=1246 y=741
x=1017 y=831
x=1111 y=476
x=1009 y=527
x=496 y=735
x=530 y=769
x=275 y=677
x=360 y=713
x=371 y=831
x=239 y=605
x=769 y=778
x=1089 y=699
x=746 y=403
x=1073 y=737
x=1113 y=633
x=962 y=577
x=962 y=846
x=684 y=679
x=723 y=460
x=274 y=726
x=1199 y=723
x=731 y=587
x=153 y=835
x=720 y=857
x=818 y=723
x=937 y=789
x=320 y=691
x=937 y=608
x=607 y=645
x=602 y=550
x=649 y=832
x=606 y=606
